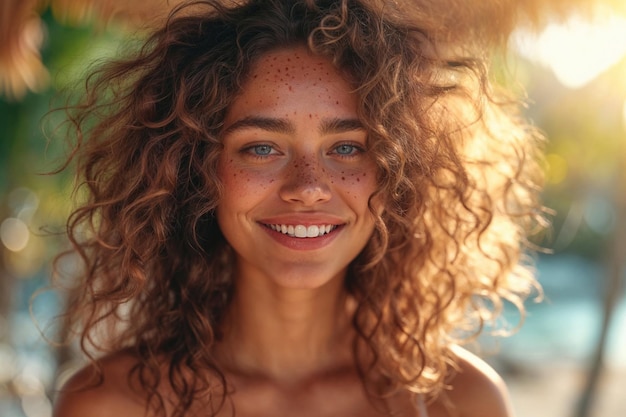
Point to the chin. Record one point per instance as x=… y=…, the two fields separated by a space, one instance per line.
x=303 y=278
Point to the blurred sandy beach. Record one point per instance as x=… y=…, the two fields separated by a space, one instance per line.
x=553 y=391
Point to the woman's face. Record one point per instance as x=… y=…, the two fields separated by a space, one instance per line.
x=296 y=171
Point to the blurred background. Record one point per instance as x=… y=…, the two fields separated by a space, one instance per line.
x=569 y=358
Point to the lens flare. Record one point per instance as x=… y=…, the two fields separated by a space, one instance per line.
x=578 y=50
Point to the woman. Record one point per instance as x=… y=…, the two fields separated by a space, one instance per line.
x=296 y=208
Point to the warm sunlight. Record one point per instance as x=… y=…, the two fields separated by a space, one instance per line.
x=577 y=51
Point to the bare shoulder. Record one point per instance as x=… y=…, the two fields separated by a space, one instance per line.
x=477 y=390
x=85 y=394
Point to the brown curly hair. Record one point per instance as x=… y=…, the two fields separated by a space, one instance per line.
x=457 y=174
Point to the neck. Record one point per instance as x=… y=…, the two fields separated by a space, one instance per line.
x=287 y=334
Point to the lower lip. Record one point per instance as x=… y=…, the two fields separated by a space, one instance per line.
x=303 y=243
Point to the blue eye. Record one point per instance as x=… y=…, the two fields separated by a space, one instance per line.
x=260 y=150
x=347 y=149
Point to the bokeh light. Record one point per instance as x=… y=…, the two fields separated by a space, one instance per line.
x=578 y=50
x=14 y=234
x=557 y=168
x=600 y=215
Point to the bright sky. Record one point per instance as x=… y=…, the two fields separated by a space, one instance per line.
x=578 y=50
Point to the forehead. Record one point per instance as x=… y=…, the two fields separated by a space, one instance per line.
x=290 y=82
x=294 y=64
x=289 y=59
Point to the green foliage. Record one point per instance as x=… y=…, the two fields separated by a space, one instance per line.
x=32 y=145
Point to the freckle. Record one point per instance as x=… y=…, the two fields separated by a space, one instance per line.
x=279 y=70
x=365 y=174
x=337 y=102
x=307 y=165
x=310 y=115
x=290 y=88
x=343 y=178
x=358 y=179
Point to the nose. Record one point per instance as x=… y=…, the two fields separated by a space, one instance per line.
x=306 y=183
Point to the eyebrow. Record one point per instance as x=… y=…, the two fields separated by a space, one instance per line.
x=328 y=126
x=336 y=125
x=264 y=123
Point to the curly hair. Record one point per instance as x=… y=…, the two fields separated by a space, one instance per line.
x=458 y=175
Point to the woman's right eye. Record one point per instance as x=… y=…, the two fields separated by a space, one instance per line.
x=260 y=150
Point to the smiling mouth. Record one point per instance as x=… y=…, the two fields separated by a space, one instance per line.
x=301 y=231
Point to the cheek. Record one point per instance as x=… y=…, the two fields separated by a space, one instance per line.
x=241 y=183
x=357 y=183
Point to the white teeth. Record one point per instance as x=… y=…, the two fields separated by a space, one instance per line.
x=301 y=231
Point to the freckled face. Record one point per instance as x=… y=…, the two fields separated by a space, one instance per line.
x=296 y=171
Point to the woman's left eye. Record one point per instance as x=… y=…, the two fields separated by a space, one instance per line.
x=347 y=149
